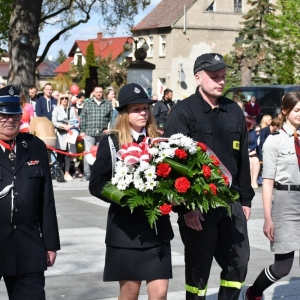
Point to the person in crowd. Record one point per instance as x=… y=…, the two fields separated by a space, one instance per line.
x=80 y=98
x=241 y=104
x=94 y=119
x=252 y=108
x=27 y=115
x=55 y=94
x=265 y=132
x=61 y=117
x=33 y=96
x=218 y=122
x=134 y=251
x=281 y=152
x=253 y=153
x=45 y=105
x=162 y=108
x=110 y=96
x=265 y=121
x=29 y=235
x=235 y=98
x=154 y=98
x=79 y=103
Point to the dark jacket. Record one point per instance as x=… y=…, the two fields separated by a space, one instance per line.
x=161 y=111
x=125 y=229
x=41 y=108
x=34 y=230
x=223 y=130
x=264 y=133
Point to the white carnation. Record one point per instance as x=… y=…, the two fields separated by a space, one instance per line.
x=151 y=184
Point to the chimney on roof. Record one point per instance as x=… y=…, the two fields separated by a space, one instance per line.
x=99 y=35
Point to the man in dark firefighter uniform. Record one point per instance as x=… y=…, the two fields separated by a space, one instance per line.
x=219 y=123
x=28 y=225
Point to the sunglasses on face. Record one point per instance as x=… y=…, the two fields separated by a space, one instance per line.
x=64 y=98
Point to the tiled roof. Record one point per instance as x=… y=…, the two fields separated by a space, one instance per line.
x=65 y=66
x=103 y=46
x=165 y=14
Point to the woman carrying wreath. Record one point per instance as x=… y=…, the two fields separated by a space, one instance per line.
x=134 y=251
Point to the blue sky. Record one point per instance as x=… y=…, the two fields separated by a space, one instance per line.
x=83 y=32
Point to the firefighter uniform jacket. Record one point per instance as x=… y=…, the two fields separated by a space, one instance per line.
x=32 y=229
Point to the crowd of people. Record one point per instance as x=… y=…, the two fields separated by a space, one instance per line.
x=135 y=252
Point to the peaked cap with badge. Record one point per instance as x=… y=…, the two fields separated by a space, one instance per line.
x=10 y=100
x=210 y=62
x=132 y=93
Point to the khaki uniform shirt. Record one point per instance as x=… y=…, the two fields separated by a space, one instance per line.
x=279 y=158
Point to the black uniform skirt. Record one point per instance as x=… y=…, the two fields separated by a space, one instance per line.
x=138 y=264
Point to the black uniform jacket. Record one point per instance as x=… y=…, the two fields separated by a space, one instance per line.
x=125 y=229
x=33 y=230
x=223 y=130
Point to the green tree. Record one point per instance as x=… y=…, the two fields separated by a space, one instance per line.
x=253 y=50
x=24 y=19
x=90 y=61
x=284 y=28
x=61 y=56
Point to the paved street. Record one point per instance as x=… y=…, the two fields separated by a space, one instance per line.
x=77 y=274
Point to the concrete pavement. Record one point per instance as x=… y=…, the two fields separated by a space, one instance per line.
x=77 y=274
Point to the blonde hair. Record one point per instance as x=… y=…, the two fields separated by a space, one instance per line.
x=263 y=122
x=122 y=127
x=62 y=95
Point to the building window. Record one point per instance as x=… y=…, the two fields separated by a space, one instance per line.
x=162 y=46
x=237 y=6
x=211 y=7
x=150 y=43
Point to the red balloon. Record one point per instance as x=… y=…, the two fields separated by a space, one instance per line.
x=74 y=89
x=93 y=150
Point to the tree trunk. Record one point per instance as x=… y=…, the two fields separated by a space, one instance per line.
x=246 y=67
x=24 y=42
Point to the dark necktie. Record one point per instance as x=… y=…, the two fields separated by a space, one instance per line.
x=297 y=147
x=140 y=138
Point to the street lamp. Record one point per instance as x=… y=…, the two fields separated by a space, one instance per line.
x=128 y=46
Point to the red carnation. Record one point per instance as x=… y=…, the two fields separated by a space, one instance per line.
x=225 y=179
x=215 y=160
x=165 y=208
x=213 y=188
x=182 y=185
x=206 y=171
x=180 y=153
x=163 y=170
x=202 y=146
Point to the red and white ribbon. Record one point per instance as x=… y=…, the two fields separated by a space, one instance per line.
x=134 y=153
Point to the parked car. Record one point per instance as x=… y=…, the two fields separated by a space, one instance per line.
x=268 y=96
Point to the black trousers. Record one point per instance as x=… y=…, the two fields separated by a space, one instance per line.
x=224 y=238
x=26 y=287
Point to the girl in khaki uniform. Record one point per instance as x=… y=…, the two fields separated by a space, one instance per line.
x=282 y=210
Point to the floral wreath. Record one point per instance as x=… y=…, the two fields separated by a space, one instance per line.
x=161 y=172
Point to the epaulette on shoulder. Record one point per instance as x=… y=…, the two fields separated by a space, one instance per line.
x=274 y=133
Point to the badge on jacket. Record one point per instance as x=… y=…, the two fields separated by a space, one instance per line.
x=33 y=162
x=236 y=145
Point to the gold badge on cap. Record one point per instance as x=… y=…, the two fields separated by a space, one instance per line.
x=136 y=90
x=11 y=91
x=217 y=58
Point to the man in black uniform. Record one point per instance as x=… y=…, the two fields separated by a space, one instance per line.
x=162 y=108
x=28 y=225
x=218 y=122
